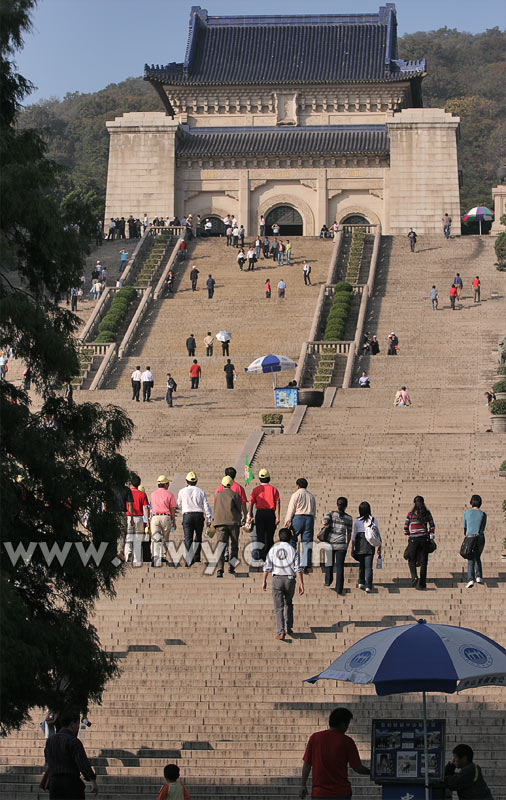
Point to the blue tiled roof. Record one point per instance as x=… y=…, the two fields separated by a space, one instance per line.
x=289 y=49
x=338 y=140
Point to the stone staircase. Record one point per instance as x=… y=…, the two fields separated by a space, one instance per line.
x=204 y=682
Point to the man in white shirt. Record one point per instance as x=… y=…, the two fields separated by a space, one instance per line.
x=208 y=227
x=136 y=383
x=281 y=288
x=148 y=382
x=300 y=516
x=284 y=563
x=195 y=508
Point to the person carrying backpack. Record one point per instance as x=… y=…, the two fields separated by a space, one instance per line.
x=365 y=539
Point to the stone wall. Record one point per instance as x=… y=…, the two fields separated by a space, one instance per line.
x=423 y=176
x=141 y=170
x=418 y=186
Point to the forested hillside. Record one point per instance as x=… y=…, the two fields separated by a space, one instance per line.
x=466 y=75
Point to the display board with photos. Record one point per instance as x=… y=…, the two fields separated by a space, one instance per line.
x=397 y=750
x=286 y=397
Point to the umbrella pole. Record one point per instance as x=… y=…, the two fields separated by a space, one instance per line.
x=426 y=748
x=480 y=226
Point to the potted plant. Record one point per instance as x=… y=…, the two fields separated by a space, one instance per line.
x=498 y=418
x=272 y=423
x=500 y=389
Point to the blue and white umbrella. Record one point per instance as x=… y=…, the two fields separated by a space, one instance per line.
x=421 y=657
x=270 y=364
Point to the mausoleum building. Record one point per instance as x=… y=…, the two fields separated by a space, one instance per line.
x=302 y=119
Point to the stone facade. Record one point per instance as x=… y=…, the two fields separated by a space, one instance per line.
x=247 y=149
x=499 y=198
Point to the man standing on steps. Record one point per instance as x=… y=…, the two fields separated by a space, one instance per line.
x=281 y=289
x=284 y=562
x=412 y=239
x=447 y=222
x=457 y=282
x=300 y=517
x=237 y=488
x=265 y=500
x=191 y=345
x=67 y=760
x=136 y=383
x=195 y=373
x=210 y=283
x=194 y=276
x=433 y=298
x=148 y=382
x=196 y=510
x=170 y=389
x=453 y=296
x=227 y=519
x=163 y=514
x=209 y=342
x=307 y=273
x=135 y=522
x=476 y=289
x=230 y=374
x=328 y=754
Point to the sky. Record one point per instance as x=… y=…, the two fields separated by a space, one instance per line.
x=83 y=45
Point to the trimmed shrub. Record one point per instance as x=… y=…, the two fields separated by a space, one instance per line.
x=500 y=386
x=501 y=369
x=105 y=336
x=343 y=287
x=272 y=419
x=498 y=407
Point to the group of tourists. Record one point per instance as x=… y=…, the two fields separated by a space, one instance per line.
x=327 y=756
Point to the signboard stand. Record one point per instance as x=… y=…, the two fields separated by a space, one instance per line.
x=398 y=757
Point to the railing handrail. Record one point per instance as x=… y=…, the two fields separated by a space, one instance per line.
x=170 y=263
x=362 y=311
x=104 y=366
x=174 y=230
x=135 y=321
x=301 y=365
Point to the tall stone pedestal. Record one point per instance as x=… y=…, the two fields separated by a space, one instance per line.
x=499 y=198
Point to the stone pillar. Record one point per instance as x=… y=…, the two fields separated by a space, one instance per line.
x=142 y=163
x=321 y=200
x=244 y=200
x=424 y=180
x=499 y=202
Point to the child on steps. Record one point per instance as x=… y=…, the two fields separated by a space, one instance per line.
x=173 y=789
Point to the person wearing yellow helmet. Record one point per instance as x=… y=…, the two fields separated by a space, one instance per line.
x=265 y=499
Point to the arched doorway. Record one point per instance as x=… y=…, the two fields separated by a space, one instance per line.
x=288 y=219
x=218 y=228
x=355 y=219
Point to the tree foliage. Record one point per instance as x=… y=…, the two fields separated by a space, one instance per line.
x=58 y=462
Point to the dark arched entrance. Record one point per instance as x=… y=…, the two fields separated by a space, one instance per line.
x=218 y=228
x=288 y=219
x=355 y=219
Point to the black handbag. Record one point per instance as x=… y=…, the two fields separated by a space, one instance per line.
x=468 y=546
x=431 y=546
x=323 y=533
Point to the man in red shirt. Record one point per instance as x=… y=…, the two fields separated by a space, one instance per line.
x=236 y=487
x=135 y=522
x=453 y=296
x=476 y=289
x=328 y=754
x=195 y=373
x=265 y=499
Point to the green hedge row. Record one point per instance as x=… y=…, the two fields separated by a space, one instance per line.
x=111 y=322
x=339 y=310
